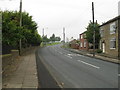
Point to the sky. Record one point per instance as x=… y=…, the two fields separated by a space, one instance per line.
x=74 y=15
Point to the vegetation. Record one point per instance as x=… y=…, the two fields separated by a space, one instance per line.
x=49 y=44
x=45 y=39
x=51 y=39
x=99 y=51
x=54 y=43
x=90 y=33
x=12 y=32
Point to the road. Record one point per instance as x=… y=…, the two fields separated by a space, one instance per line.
x=72 y=70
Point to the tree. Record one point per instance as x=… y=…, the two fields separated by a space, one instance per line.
x=52 y=38
x=57 y=38
x=12 y=32
x=45 y=39
x=90 y=33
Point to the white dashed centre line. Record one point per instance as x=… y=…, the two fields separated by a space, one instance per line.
x=60 y=52
x=68 y=56
x=89 y=64
x=119 y=75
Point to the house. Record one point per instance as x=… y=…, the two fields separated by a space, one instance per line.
x=84 y=45
x=74 y=44
x=110 y=37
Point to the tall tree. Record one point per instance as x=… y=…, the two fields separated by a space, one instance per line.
x=52 y=38
x=57 y=38
x=90 y=33
x=11 y=32
x=45 y=39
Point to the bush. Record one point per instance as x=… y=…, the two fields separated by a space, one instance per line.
x=99 y=51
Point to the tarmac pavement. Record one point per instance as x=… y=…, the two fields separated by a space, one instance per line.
x=26 y=74
x=113 y=60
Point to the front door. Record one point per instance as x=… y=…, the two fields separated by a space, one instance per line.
x=103 y=44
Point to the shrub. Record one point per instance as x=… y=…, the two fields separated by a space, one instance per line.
x=99 y=51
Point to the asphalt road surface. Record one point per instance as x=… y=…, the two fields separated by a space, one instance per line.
x=72 y=70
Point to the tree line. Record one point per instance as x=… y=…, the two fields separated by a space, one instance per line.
x=12 y=32
x=53 y=38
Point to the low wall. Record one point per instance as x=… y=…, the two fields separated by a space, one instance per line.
x=12 y=59
x=9 y=60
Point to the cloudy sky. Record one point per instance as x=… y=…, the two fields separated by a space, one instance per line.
x=74 y=15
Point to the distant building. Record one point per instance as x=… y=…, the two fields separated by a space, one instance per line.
x=74 y=44
x=119 y=8
x=110 y=37
x=83 y=42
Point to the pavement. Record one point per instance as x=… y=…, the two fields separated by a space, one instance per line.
x=25 y=75
x=98 y=56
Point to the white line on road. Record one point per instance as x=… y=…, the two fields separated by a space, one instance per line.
x=89 y=64
x=60 y=52
x=68 y=56
x=118 y=75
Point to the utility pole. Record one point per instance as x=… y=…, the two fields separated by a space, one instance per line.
x=43 y=32
x=93 y=30
x=20 y=45
x=64 y=35
x=119 y=37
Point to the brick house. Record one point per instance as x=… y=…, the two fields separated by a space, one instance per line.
x=83 y=42
x=74 y=44
x=110 y=42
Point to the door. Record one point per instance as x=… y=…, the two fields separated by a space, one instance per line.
x=103 y=44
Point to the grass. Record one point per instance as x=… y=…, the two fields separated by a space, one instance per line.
x=49 y=44
x=14 y=50
x=66 y=45
x=6 y=55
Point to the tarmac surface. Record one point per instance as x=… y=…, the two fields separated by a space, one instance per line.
x=25 y=75
x=72 y=70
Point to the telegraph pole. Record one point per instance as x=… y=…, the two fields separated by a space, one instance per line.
x=93 y=30
x=64 y=35
x=20 y=45
x=43 y=32
x=119 y=37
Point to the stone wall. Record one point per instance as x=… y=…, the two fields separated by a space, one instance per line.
x=12 y=60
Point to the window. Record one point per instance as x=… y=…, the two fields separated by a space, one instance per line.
x=85 y=44
x=85 y=35
x=113 y=43
x=101 y=32
x=81 y=36
x=112 y=28
x=81 y=45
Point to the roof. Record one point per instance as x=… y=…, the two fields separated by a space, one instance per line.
x=112 y=20
x=83 y=32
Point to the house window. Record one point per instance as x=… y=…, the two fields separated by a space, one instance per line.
x=81 y=45
x=85 y=35
x=85 y=44
x=101 y=32
x=113 y=43
x=81 y=36
x=112 y=28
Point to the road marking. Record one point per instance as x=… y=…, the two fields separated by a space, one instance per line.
x=60 y=52
x=118 y=75
x=89 y=64
x=80 y=55
x=68 y=56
